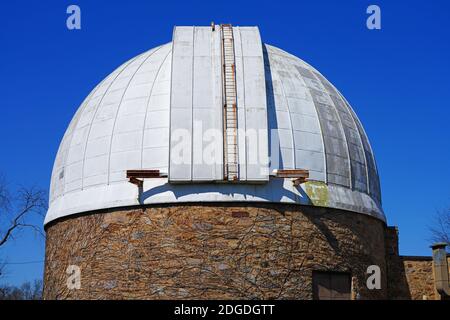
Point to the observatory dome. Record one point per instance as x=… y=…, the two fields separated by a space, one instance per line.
x=128 y=121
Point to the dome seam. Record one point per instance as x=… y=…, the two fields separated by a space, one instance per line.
x=150 y=54
x=291 y=131
x=95 y=113
x=341 y=126
x=148 y=104
x=325 y=168
x=79 y=112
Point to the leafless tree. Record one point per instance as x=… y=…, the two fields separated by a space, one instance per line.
x=26 y=291
x=2 y=268
x=440 y=230
x=18 y=210
x=15 y=211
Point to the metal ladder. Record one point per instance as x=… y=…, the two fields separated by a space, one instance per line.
x=230 y=102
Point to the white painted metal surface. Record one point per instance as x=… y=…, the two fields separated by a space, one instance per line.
x=124 y=124
x=251 y=105
x=196 y=105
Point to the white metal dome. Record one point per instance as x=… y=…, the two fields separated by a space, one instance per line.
x=124 y=123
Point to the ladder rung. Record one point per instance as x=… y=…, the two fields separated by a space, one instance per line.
x=230 y=125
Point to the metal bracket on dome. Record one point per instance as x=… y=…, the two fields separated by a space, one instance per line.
x=135 y=175
x=299 y=175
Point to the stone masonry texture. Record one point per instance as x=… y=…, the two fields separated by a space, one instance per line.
x=211 y=251
x=409 y=277
x=419 y=276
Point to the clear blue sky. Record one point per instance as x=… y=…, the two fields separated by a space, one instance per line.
x=397 y=79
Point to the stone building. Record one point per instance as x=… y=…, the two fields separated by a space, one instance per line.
x=219 y=167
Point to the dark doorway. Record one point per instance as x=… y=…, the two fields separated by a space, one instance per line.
x=331 y=285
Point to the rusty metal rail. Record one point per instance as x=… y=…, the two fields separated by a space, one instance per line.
x=134 y=176
x=299 y=175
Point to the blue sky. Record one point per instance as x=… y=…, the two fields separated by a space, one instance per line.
x=396 y=78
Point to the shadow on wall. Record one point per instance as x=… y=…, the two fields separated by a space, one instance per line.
x=248 y=192
x=318 y=221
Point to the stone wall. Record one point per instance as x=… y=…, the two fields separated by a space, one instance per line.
x=398 y=287
x=216 y=251
x=409 y=277
x=419 y=275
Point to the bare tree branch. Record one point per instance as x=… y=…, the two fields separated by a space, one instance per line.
x=440 y=230
x=2 y=268
x=19 y=209
x=4 y=195
x=27 y=291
